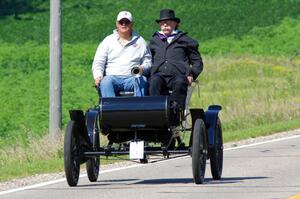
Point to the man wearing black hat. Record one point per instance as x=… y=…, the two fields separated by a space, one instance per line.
x=176 y=61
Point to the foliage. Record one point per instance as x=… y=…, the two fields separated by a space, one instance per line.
x=41 y=156
x=25 y=91
x=280 y=39
x=17 y=7
x=254 y=91
x=90 y=21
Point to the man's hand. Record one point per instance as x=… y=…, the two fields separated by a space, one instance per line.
x=98 y=80
x=190 y=79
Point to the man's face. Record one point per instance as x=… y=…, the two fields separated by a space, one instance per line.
x=167 y=26
x=124 y=25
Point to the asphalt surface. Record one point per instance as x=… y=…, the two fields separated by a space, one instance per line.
x=270 y=170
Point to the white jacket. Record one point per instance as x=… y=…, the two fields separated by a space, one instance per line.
x=112 y=58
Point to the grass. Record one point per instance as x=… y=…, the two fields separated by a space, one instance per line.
x=252 y=90
x=280 y=39
x=39 y=156
x=262 y=130
x=90 y=21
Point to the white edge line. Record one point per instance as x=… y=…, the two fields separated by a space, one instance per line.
x=32 y=186
x=137 y=165
x=263 y=142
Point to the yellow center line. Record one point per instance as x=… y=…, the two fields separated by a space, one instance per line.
x=295 y=197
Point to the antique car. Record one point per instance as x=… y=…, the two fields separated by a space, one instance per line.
x=140 y=128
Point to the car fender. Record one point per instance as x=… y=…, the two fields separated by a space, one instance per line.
x=211 y=116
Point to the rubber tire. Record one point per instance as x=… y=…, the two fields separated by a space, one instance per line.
x=71 y=154
x=216 y=154
x=92 y=168
x=146 y=157
x=199 y=151
x=93 y=164
x=144 y=161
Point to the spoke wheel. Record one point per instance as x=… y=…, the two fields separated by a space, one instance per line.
x=216 y=154
x=71 y=154
x=199 y=151
x=92 y=168
x=93 y=164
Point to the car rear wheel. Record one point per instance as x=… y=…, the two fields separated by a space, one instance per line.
x=92 y=168
x=216 y=153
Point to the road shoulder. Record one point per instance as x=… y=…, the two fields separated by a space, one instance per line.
x=39 y=178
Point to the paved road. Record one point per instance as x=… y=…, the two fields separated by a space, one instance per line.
x=270 y=170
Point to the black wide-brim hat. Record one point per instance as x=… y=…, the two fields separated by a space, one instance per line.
x=167 y=14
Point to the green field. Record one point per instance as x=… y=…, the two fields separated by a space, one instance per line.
x=251 y=52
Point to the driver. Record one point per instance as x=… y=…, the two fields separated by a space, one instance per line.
x=116 y=55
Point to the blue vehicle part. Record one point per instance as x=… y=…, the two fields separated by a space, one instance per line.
x=92 y=127
x=211 y=116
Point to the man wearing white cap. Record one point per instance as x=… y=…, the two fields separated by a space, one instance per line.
x=115 y=57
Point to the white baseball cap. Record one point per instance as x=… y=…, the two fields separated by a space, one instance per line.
x=124 y=15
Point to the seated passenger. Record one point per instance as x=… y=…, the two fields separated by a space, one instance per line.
x=173 y=54
x=116 y=55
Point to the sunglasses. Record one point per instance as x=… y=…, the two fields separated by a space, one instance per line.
x=124 y=21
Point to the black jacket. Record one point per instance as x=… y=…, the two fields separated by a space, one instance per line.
x=176 y=57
